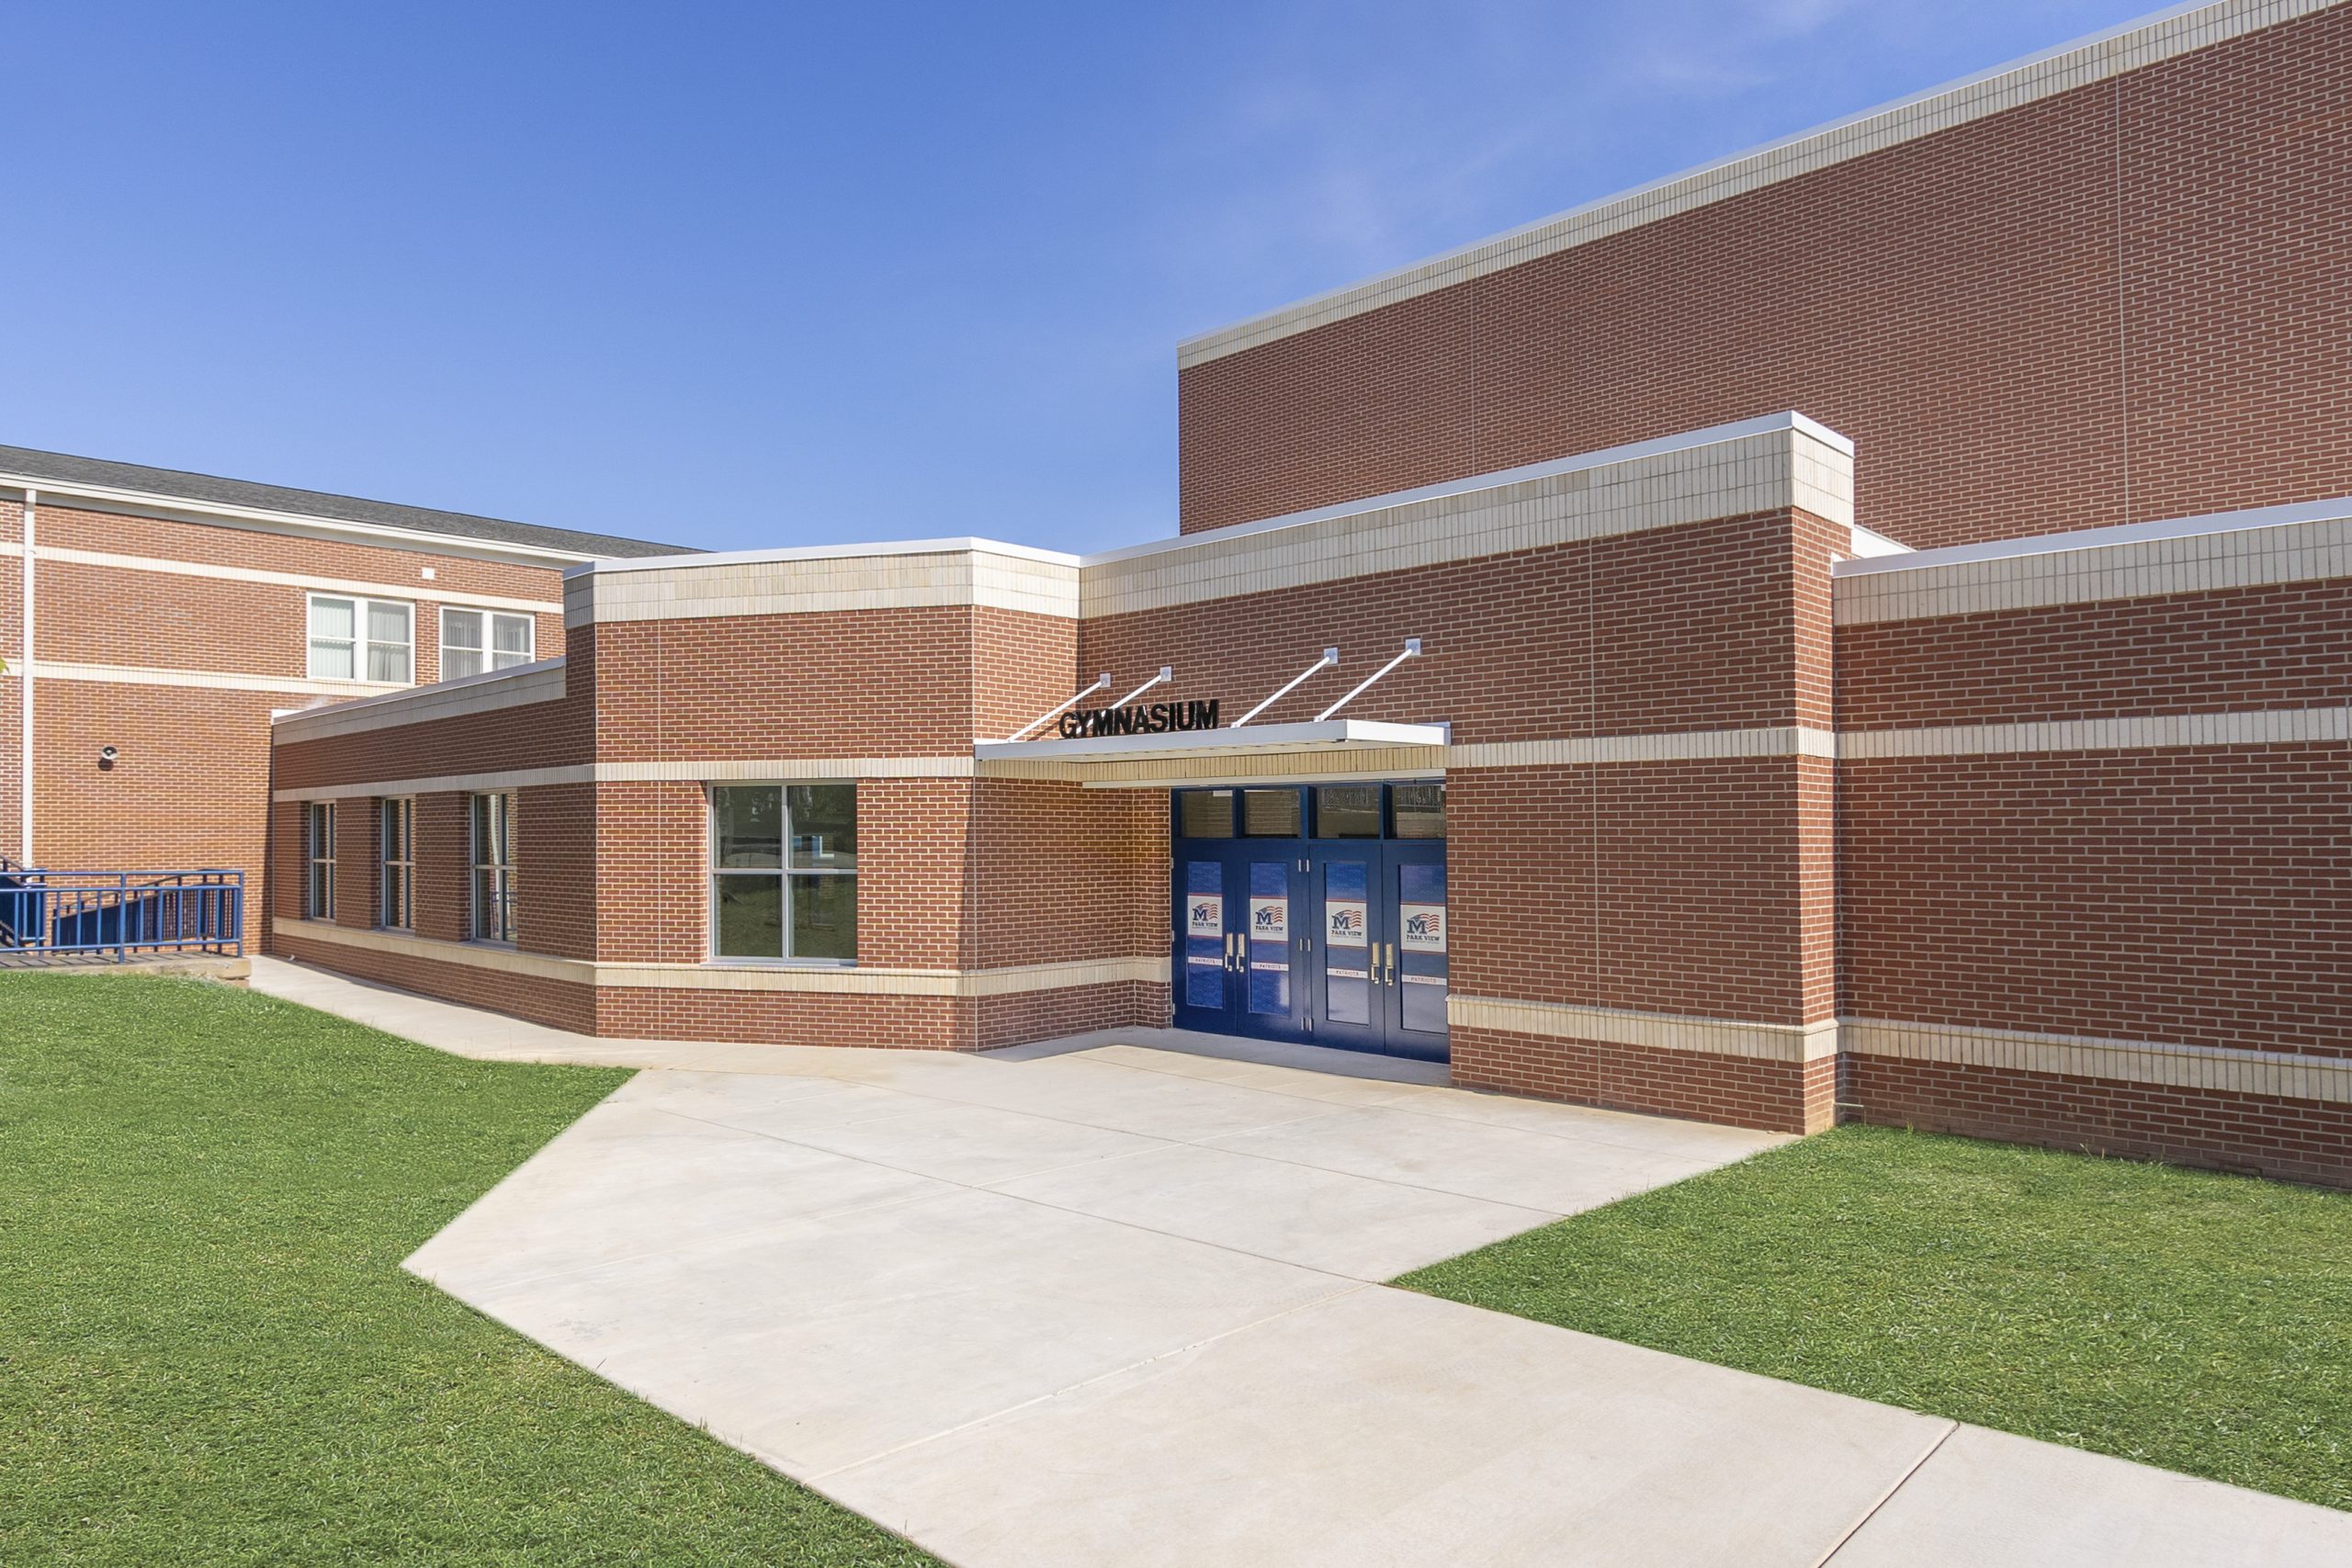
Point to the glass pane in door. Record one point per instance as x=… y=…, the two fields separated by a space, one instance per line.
x=1420 y=947
x=1347 y=941
x=1268 y=924
x=1201 y=917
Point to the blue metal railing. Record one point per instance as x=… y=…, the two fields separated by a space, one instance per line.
x=114 y=914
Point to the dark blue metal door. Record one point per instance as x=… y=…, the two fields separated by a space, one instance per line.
x=1310 y=927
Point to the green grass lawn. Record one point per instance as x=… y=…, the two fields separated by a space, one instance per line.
x=2199 y=1322
x=209 y=1353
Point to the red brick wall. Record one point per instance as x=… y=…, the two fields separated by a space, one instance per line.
x=63 y=526
x=1674 y=887
x=2281 y=647
x=555 y=1003
x=2294 y=1140
x=1661 y=630
x=188 y=788
x=2124 y=301
x=1062 y=874
x=2191 y=896
x=1739 y=1091
x=529 y=735
x=847 y=682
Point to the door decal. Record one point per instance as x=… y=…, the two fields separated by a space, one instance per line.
x=1347 y=939
x=1204 y=933
x=1420 y=944
x=1269 y=937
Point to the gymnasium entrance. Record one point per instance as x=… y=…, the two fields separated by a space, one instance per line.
x=1314 y=913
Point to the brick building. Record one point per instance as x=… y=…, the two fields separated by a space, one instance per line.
x=1860 y=629
x=173 y=612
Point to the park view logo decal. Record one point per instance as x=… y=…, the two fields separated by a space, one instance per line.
x=1205 y=915
x=1270 y=919
x=1421 y=928
x=1344 y=923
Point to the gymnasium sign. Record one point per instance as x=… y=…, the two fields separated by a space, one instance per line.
x=1143 y=719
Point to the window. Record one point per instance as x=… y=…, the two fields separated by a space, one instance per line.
x=362 y=639
x=784 y=871
x=1269 y=814
x=1204 y=813
x=1419 y=811
x=318 y=852
x=399 y=864
x=493 y=868
x=1347 y=811
x=463 y=652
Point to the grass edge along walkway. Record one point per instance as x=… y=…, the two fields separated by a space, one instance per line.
x=209 y=1352
x=2194 y=1321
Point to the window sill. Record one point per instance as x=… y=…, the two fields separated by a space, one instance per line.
x=780 y=963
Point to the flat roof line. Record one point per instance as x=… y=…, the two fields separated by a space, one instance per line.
x=2094 y=538
x=1738 y=429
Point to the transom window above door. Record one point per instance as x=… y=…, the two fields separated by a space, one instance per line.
x=1415 y=810
x=475 y=640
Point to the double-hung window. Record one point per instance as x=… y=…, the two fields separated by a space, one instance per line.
x=399 y=864
x=318 y=855
x=362 y=639
x=494 y=867
x=784 y=871
x=476 y=640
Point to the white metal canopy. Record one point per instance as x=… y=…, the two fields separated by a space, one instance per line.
x=1335 y=735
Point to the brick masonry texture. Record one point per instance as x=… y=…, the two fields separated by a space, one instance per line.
x=2124 y=301
x=2291 y=1139
x=2191 y=895
x=2284 y=647
x=1660 y=631
x=1781 y=1097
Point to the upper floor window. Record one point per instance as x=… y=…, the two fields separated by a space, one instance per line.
x=399 y=864
x=494 y=867
x=362 y=639
x=317 y=853
x=784 y=871
x=476 y=640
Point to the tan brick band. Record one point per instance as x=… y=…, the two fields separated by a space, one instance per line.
x=2276 y=726
x=2283 y=1075
x=815 y=979
x=1658 y=1032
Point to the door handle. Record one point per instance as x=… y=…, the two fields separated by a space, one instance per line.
x=1392 y=961
x=1233 y=950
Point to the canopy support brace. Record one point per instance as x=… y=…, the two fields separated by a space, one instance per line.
x=1330 y=656
x=1412 y=651
x=1100 y=681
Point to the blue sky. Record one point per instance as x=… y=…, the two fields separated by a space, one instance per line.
x=740 y=276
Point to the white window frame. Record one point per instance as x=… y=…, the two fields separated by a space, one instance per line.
x=358 y=642
x=396 y=911
x=490 y=884
x=789 y=873
x=318 y=860
x=487 y=649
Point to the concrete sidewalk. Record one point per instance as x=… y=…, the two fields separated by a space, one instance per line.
x=1117 y=1301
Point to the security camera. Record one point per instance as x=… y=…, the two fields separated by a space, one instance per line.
x=105 y=753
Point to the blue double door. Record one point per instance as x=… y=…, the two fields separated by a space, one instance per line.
x=1330 y=944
